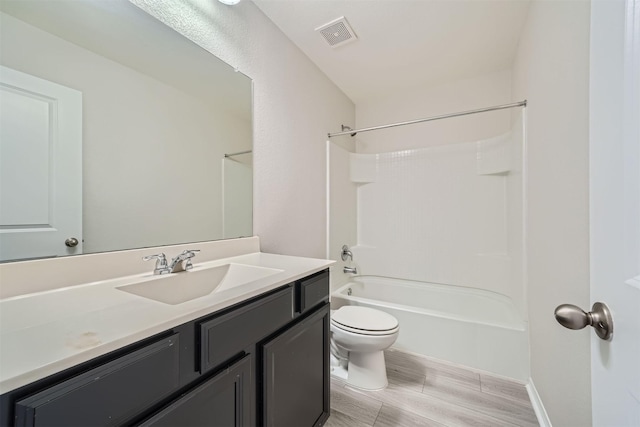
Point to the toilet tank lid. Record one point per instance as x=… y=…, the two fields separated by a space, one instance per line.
x=364 y=318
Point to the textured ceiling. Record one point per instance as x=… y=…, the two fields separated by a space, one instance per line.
x=403 y=43
x=121 y=32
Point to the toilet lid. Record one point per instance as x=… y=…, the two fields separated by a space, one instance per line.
x=364 y=318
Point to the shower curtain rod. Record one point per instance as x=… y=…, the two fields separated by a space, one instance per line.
x=428 y=119
x=238 y=153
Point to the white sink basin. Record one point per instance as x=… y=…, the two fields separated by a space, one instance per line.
x=181 y=287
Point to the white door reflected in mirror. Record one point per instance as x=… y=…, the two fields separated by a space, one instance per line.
x=40 y=167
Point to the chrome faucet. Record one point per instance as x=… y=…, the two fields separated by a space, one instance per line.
x=183 y=261
x=346 y=253
x=161 y=263
x=180 y=263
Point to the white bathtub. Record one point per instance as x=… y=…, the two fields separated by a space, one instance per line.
x=471 y=327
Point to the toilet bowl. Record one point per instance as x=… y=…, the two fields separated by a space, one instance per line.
x=359 y=336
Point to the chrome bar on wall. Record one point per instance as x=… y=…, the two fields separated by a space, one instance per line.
x=238 y=153
x=429 y=119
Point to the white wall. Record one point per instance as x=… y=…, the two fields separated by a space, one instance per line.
x=133 y=127
x=551 y=71
x=421 y=102
x=295 y=106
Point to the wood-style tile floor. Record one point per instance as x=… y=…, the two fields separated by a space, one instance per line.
x=425 y=392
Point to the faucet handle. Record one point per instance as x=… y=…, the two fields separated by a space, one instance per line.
x=161 y=263
x=186 y=256
x=346 y=253
x=189 y=253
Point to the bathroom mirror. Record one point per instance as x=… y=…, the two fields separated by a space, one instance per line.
x=116 y=133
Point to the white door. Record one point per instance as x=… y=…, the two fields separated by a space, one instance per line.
x=40 y=167
x=615 y=207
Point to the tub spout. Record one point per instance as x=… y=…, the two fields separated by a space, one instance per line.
x=350 y=270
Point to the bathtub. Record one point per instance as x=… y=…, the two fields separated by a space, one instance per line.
x=471 y=327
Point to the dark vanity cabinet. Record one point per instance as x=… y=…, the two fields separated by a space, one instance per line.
x=263 y=362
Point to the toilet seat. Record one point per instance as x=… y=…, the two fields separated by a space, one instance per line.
x=364 y=321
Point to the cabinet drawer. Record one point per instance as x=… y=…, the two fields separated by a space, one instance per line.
x=225 y=336
x=109 y=394
x=314 y=290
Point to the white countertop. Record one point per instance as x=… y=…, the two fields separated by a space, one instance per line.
x=46 y=332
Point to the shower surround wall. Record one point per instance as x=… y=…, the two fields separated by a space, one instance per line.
x=442 y=214
x=342 y=195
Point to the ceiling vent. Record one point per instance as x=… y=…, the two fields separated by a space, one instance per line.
x=337 y=32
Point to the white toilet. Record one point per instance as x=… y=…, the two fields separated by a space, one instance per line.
x=359 y=335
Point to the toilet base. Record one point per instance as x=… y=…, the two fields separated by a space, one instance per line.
x=367 y=371
x=339 y=372
x=338 y=367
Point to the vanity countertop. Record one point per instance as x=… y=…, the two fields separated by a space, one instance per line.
x=46 y=332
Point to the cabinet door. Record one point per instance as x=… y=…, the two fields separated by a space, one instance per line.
x=295 y=391
x=224 y=400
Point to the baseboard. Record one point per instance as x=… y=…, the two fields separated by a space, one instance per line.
x=538 y=407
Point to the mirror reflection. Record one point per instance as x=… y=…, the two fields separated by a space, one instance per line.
x=116 y=132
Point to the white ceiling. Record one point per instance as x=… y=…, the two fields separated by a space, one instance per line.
x=403 y=44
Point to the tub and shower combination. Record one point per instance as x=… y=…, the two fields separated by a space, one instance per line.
x=439 y=243
x=471 y=327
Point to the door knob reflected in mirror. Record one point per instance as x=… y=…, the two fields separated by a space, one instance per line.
x=573 y=317
x=71 y=242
